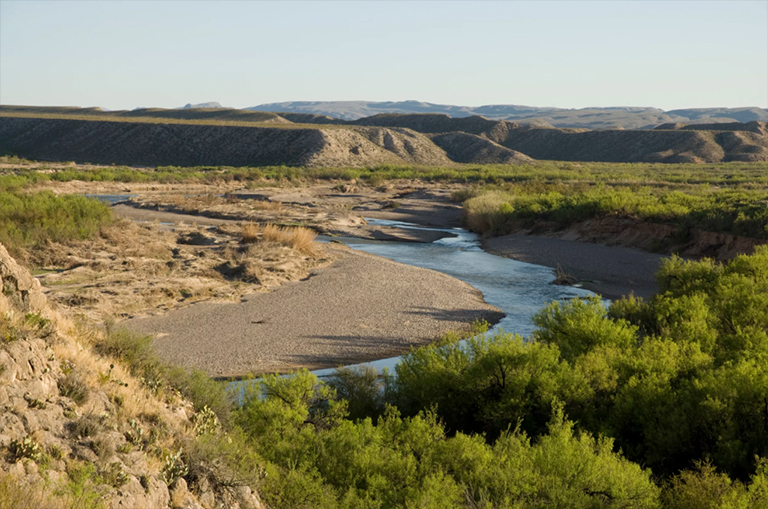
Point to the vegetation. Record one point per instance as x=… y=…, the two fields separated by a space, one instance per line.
x=643 y=404
x=298 y=238
x=735 y=211
x=29 y=220
x=20 y=173
x=726 y=197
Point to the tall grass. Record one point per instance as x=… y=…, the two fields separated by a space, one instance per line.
x=298 y=238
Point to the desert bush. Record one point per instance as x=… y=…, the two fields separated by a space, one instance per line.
x=28 y=220
x=298 y=238
x=202 y=391
x=82 y=490
x=705 y=488
x=17 y=493
x=136 y=351
x=113 y=475
x=174 y=467
x=363 y=388
x=72 y=385
x=250 y=233
x=87 y=425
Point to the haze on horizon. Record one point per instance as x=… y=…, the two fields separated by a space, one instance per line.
x=574 y=54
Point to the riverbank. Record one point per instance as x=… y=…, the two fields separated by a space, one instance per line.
x=360 y=308
x=611 y=271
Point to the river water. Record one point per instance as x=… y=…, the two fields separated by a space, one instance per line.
x=519 y=289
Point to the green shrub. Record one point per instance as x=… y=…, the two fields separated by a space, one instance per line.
x=29 y=220
x=24 y=448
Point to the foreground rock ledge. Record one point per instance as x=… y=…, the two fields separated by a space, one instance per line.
x=361 y=308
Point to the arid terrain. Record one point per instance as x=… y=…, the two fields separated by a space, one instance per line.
x=241 y=138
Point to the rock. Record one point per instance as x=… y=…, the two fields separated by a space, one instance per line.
x=181 y=498
x=247 y=498
x=196 y=239
x=19 y=287
x=134 y=495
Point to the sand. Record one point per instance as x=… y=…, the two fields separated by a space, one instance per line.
x=610 y=271
x=361 y=308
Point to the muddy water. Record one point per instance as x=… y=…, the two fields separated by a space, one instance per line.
x=519 y=289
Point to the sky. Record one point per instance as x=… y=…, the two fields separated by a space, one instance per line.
x=569 y=54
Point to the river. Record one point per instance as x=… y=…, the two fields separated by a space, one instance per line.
x=519 y=289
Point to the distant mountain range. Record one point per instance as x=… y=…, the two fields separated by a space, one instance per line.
x=590 y=118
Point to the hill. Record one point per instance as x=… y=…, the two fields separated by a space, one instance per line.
x=159 y=144
x=221 y=136
x=185 y=115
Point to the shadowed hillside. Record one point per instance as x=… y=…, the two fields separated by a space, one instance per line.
x=221 y=136
x=680 y=146
x=470 y=148
x=193 y=145
x=678 y=143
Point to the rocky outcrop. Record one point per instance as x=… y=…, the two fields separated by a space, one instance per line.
x=20 y=290
x=64 y=409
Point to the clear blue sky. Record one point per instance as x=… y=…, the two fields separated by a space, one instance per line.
x=125 y=54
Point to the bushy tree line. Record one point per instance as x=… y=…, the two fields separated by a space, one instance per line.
x=661 y=403
x=27 y=220
x=739 y=212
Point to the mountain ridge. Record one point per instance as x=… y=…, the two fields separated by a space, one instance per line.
x=629 y=117
x=230 y=137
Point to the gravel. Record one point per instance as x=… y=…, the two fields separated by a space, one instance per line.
x=361 y=308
